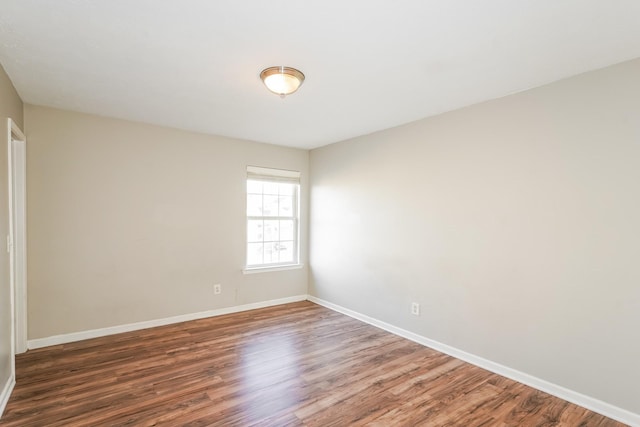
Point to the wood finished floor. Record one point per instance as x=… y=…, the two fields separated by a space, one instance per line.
x=291 y=365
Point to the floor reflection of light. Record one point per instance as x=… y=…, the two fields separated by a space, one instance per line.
x=270 y=375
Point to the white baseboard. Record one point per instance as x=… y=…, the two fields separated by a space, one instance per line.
x=95 y=333
x=6 y=393
x=588 y=402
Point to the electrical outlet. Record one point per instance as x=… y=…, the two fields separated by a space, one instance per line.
x=415 y=309
x=217 y=289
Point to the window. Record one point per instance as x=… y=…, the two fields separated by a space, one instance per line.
x=272 y=217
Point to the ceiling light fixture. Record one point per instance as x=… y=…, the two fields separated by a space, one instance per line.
x=282 y=81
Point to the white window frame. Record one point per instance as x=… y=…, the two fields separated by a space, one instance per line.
x=279 y=176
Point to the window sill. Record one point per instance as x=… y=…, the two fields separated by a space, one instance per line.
x=253 y=270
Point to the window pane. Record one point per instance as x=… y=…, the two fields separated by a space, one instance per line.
x=270 y=253
x=285 y=250
x=254 y=187
x=271 y=231
x=271 y=188
x=271 y=241
x=286 y=190
x=286 y=230
x=270 y=206
x=255 y=231
x=254 y=253
x=254 y=205
x=285 y=206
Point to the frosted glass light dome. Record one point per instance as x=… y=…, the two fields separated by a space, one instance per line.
x=282 y=81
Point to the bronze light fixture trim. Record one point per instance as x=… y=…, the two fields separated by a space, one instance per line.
x=282 y=80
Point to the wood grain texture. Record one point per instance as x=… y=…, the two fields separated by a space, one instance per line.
x=292 y=365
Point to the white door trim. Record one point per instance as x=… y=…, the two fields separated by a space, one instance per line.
x=16 y=240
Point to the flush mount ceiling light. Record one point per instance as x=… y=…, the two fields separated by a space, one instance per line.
x=282 y=81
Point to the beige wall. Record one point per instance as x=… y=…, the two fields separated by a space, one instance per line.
x=10 y=107
x=514 y=223
x=130 y=222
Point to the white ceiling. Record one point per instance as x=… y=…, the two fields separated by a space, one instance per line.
x=370 y=64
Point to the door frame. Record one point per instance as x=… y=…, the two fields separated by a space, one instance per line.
x=16 y=239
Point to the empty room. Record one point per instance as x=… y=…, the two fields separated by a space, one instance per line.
x=356 y=213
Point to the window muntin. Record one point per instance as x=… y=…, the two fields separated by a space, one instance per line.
x=272 y=221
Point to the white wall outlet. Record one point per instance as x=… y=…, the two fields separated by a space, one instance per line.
x=217 y=289
x=415 y=309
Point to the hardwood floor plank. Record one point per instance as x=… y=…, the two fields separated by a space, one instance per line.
x=297 y=364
